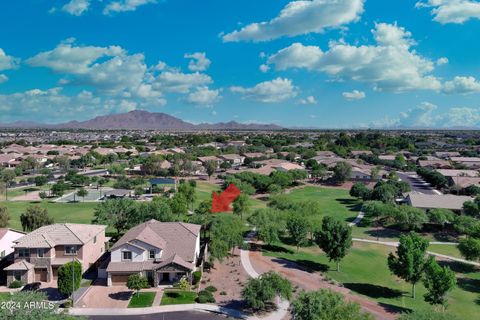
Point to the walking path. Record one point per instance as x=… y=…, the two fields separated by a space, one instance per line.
x=282 y=305
x=395 y=244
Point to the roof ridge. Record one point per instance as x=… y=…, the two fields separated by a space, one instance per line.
x=66 y=226
x=183 y=224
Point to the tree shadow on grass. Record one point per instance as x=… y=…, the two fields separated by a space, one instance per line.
x=123 y=295
x=275 y=248
x=468 y=284
x=384 y=233
x=458 y=267
x=373 y=291
x=305 y=265
x=394 y=309
x=351 y=204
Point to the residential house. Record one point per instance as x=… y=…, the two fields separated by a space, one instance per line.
x=287 y=166
x=443 y=201
x=435 y=164
x=233 y=159
x=39 y=254
x=358 y=153
x=7 y=239
x=206 y=159
x=161 y=251
x=469 y=162
x=446 y=154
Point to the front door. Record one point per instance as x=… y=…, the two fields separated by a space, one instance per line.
x=166 y=277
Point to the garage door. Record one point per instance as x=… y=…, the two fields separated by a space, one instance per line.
x=40 y=275
x=119 y=279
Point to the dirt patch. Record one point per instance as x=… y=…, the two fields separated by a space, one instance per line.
x=229 y=278
x=308 y=280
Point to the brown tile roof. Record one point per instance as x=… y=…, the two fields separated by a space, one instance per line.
x=20 y=265
x=172 y=237
x=58 y=234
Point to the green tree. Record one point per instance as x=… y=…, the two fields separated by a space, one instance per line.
x=409 y=261
x=361 y=191
x=342 y=172
x=35 y=217
x=470 y=248
x=179 y=204
x=7 y=176
x=241 y=205
x=298 y=229
x=226 y=233
x=58 y=189
x=438 y=281
x=119 y=214
x=335 y=239
x=4 y=217
x=184 y=285
x=326 y=304
x=82 y=193
x=441 y=216
x=189 y=192
x=40 y=180
x=260 y=292
x=137 y=282
x=410 y=218
x=211 y=167
x=69 y=277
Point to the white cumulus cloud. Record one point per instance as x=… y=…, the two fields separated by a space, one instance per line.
x=198 y=61
x=452 y=11
x=461 y=85
x=390 y=65
x=301 y=17
x=308 y=100
x=354 y=95
x=76 y=7
x=277 y=90
x=125 y=5
x=203 y=96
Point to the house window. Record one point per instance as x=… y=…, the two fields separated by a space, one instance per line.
x=40 y=252
x=2 y=255
x=127 y=255
x=151 y=254
x=94 y=239
x=70 y=250
x=23 y=253
x=17 y=275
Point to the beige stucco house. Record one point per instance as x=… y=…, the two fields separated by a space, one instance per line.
x=39 y=254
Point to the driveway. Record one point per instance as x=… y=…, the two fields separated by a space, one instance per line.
x=101 y=296
x=417 y=183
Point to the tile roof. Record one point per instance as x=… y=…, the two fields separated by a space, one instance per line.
x=174 y=238
x=20 y=265
x=58 y=234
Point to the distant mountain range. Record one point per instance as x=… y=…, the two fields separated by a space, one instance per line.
x=140 y=120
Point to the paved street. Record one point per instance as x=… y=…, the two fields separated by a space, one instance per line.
x=417 y=183
x=182 y=315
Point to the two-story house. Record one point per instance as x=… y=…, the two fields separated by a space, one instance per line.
x=39 y=254
x=7 y=238
x=161 y=251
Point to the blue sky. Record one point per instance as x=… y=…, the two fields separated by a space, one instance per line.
x=315 y=63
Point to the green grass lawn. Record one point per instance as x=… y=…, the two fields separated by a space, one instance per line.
x=142 y=300
x=4 y=296
x=334 y=202
x=12 y=193
x=205 y=189
x=178 y=297
x=449 y=250
x=79 y=212
x=364 y=271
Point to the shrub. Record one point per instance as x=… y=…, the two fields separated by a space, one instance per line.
x=211 y=289
x=16 y=284
x=196 y=275
x=65 y=282
x=205 y=296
